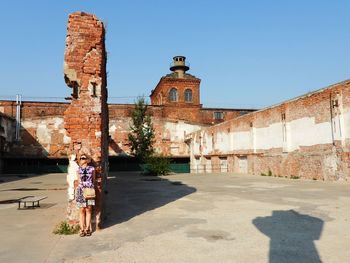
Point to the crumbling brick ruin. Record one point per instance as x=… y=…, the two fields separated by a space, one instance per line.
x=305 y=137
x=86 y=118
x=43 y=135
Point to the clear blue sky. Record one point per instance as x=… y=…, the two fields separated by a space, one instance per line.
x=247 y=53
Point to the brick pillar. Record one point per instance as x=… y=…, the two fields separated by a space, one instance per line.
x=86 y=118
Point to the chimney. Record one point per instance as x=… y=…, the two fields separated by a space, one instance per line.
x=179 y=66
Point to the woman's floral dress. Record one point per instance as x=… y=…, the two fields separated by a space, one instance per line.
x=86 y=181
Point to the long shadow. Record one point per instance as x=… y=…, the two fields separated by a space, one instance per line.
x=291 y=236
x=130 y=195
x=25 y=158
x=115 y=147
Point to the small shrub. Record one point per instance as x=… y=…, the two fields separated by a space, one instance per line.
x=269 y=173
x=294 y=177
x=262 y=174
x=158 y=165
x=64 y=228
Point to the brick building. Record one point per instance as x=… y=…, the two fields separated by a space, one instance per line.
x=305 y=137
x=7 y=136
x=175 y=108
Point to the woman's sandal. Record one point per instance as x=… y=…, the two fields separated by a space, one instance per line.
x=82 y=233
x=88 y=232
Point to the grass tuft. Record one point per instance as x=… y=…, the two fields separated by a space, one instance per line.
x=63 y=228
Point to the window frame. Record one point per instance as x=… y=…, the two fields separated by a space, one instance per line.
x=216 y=113
x=171 y=91
x=188 y=91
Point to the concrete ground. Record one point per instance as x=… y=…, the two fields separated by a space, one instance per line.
x=184 y=218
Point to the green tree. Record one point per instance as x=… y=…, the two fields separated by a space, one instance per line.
x=141 y=136
x=158 y=165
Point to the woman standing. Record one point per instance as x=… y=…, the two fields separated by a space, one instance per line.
x=86 y=179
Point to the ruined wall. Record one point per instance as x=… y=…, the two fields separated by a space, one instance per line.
x=7 y=136
x=42 y=133
x=304 y=137
x=41 y=137
x=171 y=125
x=86 y=118
x=169 y=133
x=84 y=72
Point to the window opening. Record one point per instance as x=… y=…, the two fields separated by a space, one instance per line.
x=173 y=94
x=188 y=95
x=218 y=115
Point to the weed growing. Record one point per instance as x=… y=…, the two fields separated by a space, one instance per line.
x=63 y=228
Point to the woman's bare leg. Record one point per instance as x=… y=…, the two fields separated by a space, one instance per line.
x=82 y=219
x=88 y=217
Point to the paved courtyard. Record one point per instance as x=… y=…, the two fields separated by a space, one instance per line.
x=183 y=218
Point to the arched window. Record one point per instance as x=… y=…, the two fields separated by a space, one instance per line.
x=173 y=94
x=188 y=95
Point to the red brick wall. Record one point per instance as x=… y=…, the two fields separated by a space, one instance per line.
x=34 y=109
x=302 y=157
x=85 y=66
x=181 y=84
x=86 y=118
x=50 y=114
x=42 y=132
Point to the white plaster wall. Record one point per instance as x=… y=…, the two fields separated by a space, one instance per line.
x=269 y=137
x=112 y=129
x=222 y=142
x=42 y=133
x=122 y=124
x=346 y=120
x=173 y=134
x=44 y=128
x=305 y=132
x=195 y=147
x=241 y=140
x=300 y=132
x=29 y=124
x=207 y=145
x=178 y=130
x=58 y=122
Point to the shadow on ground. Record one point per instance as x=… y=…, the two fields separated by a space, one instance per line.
x=291 y=236
x=7 y=178
x=130 y=194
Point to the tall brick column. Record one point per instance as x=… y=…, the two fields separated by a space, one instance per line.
x=86 y=119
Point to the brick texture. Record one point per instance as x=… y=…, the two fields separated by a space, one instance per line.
x=306 y=137
x=86 y=117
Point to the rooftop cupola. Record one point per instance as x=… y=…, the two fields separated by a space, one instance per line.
x=179 y=66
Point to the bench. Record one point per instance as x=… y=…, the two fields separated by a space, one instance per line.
x=30 y=199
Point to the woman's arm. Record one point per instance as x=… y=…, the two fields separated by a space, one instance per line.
x=94 y=178
x=77 y=182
